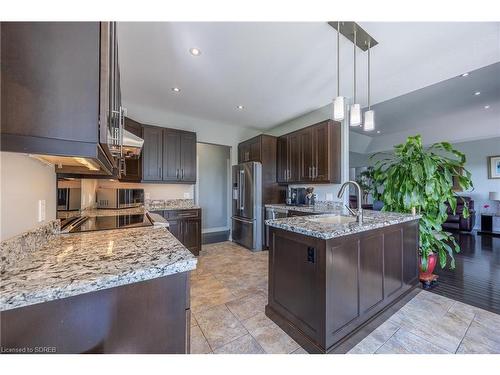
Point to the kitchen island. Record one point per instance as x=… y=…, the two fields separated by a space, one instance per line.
x=111 y=291
x=329 y=275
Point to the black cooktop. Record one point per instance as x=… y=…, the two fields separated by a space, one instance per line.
x=111 y=222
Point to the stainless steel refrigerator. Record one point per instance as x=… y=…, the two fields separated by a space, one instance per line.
x=247 y=205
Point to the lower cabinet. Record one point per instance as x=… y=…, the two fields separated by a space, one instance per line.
x=185 y=225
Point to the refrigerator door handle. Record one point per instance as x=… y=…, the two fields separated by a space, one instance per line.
x=242 y=189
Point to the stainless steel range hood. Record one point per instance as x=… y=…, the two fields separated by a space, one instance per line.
x=132 y=145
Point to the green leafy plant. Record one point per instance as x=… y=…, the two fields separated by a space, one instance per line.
x=421 y=178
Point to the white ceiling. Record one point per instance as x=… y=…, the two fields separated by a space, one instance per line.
x=279 y=71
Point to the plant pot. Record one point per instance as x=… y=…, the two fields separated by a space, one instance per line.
x=431 y=264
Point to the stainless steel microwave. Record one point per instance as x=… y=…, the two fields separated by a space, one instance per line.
x=119 y=198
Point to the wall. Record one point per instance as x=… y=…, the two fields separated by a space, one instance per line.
x=477 y=153
x=213 y=186
x=151 y=191
x=24 y=181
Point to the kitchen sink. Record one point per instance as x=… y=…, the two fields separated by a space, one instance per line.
x=333 y=219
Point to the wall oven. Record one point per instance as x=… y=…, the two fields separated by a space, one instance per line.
x=120 y=198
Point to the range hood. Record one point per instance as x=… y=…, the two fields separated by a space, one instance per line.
x=132 y=145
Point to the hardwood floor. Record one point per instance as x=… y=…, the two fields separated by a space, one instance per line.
x=476 y=278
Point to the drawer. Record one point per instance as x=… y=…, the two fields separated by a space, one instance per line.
x=182 y=214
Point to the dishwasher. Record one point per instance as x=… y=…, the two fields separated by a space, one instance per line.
x=273 y=213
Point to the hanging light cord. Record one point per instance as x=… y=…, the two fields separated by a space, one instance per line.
x=354 y=65
x=338 y=58
x=369 y=74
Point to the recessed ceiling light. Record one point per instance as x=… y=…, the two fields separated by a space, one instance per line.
x=176 y=89
x=378 y=131
x=465 y=74
x=240 y=107
x=195 y=51
x=486 y=107
x=477 y=93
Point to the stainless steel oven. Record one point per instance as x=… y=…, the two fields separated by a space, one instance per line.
x=120 y=198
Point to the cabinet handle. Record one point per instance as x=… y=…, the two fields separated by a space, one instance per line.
x=182 y=177
x=159 y=172
x=310 y=173
x=177 y=174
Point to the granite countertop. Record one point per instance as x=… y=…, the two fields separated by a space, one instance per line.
x=171 y=204
x=316 y=209
x=72 y=264
x=307 y=226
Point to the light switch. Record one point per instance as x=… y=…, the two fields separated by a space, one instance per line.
x=41 y=210
x=187 y=195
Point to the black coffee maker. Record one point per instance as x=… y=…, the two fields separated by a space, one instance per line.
x=296 y=196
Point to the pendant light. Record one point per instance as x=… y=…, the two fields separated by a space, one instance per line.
x=339 y=102
x=355 y=113
x=369 y=124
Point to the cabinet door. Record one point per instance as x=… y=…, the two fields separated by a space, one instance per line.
x=191 y=235
x=171 y=155
x=294 y=158
x=321 y=152
x=175 y=227
x=282 y=160
x=188 y=157
x=306 y=155
x=152 y=153
x=50 y=82
x=244 y=152
x=255 y=150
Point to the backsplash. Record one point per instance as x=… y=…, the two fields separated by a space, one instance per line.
x=161 y=204
x=16 y=248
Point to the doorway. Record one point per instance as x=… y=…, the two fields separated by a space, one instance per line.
x=212 y=191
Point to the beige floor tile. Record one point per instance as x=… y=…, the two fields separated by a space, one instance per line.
x=404 y=342
x=376 y=339
x=300 y=350
x=271 y=337
x=246 y=307
x=242 y=345
x=199 y=344
x=480 y=339
x=193 y=320
x=219 y=326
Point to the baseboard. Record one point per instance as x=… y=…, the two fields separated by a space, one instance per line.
x=214 y=237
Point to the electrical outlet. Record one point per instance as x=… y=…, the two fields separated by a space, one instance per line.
x=147 y=195
x=41 y=210
x=329 y=196
x=187 y=195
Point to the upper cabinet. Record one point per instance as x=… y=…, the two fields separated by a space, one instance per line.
x=310 y=155
x=61 y=94
x=168 y=155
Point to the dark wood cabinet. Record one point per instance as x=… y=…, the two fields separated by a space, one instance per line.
x=133 y=166
x=322 y=291
x=61 y=93
x=263 y=149
x=185 y=225
x=152 y=153
x=169 y=155
x=310 y=155
x=188 y=157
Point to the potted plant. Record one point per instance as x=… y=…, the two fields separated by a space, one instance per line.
x=365 y=181
x=420 y=179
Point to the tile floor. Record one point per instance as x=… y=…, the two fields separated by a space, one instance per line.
x=229 y=292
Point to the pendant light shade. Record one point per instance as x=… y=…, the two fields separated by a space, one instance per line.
x=339 y=108
x=339 y=102
x=369 y=124
x=355 y=115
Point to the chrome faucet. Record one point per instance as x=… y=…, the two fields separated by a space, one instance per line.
x=359 y=212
